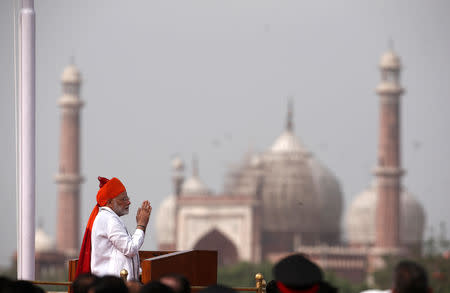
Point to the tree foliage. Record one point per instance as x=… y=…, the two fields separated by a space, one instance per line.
x=243 y=275
x=344 y=285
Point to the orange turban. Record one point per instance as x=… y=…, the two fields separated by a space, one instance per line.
x=109 y=189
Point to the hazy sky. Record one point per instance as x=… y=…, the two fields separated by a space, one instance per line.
x=212 y=78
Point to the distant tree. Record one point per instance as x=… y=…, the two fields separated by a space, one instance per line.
x=344 y=285
x=243 y=274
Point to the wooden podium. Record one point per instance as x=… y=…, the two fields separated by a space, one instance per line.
x=198 y=266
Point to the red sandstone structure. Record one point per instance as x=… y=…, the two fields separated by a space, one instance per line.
x=389 y=170
x=51 y=257
x=68 y=178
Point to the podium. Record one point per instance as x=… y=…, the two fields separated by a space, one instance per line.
x=198 y=266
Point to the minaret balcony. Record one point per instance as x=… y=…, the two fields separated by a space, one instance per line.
x=389 y=89
x=68 y=179
x=388 y=171
x=70 y=101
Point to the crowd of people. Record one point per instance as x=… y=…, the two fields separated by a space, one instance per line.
x=293 y=274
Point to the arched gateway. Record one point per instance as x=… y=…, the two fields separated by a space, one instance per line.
x=215 y=240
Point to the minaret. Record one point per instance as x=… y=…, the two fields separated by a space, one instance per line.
x=195 y=166
x=68 y=178
x=389 y=171
x=177 y=175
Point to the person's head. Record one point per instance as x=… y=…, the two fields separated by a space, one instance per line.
x=156 y=287
x=120 y=204
x=112 y=193
x=83 y=283
x=134 y=286
x=108 y=284
x=177 y=282
x=297 y=273
x=218 y=289
x=26 y=286
x=6 y=285
x=271 y=287
x=410 y=277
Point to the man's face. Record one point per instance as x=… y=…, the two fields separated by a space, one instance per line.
x=121 y=204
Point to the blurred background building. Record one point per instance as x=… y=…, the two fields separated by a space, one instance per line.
x=286 y=200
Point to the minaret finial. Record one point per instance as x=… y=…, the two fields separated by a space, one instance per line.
x=289 y=123
x=194 y=166
x=391 y=44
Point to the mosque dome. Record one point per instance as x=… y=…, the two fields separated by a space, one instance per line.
x=390 y=61
x=330 y=201
x=43 y=242
x=165 y=221
x=289 y=197
x=360 y=219
x=287 y=142
x=299 y=196
x=256 y=161
x=194 y=185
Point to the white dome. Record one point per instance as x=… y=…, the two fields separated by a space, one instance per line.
x=165 y=221
x=361 y=218
x=289 y=197
x=390 y=60
x=288 y=179
x=194 y=186
x=42 y=241
x=71 y=74
x=287 y=142
x=256 y=161
x=330 y=200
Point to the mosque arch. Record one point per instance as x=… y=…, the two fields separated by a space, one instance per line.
x=227 y=252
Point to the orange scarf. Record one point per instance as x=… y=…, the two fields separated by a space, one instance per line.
x=109 y=189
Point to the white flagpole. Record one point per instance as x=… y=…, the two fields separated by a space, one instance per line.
x=27 y=132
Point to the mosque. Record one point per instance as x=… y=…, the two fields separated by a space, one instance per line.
x=286 y=200
x=274 y=203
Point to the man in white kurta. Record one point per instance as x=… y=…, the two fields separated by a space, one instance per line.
x=107 y=246
x=113 y=248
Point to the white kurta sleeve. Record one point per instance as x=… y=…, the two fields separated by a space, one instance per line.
x=122 y=241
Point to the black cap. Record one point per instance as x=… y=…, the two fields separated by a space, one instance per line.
x=297 y=272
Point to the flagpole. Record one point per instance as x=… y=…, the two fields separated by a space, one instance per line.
x=27 y=143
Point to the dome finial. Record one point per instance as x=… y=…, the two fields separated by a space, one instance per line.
x=289 y=123
x=194 y=166
x=391 y=44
